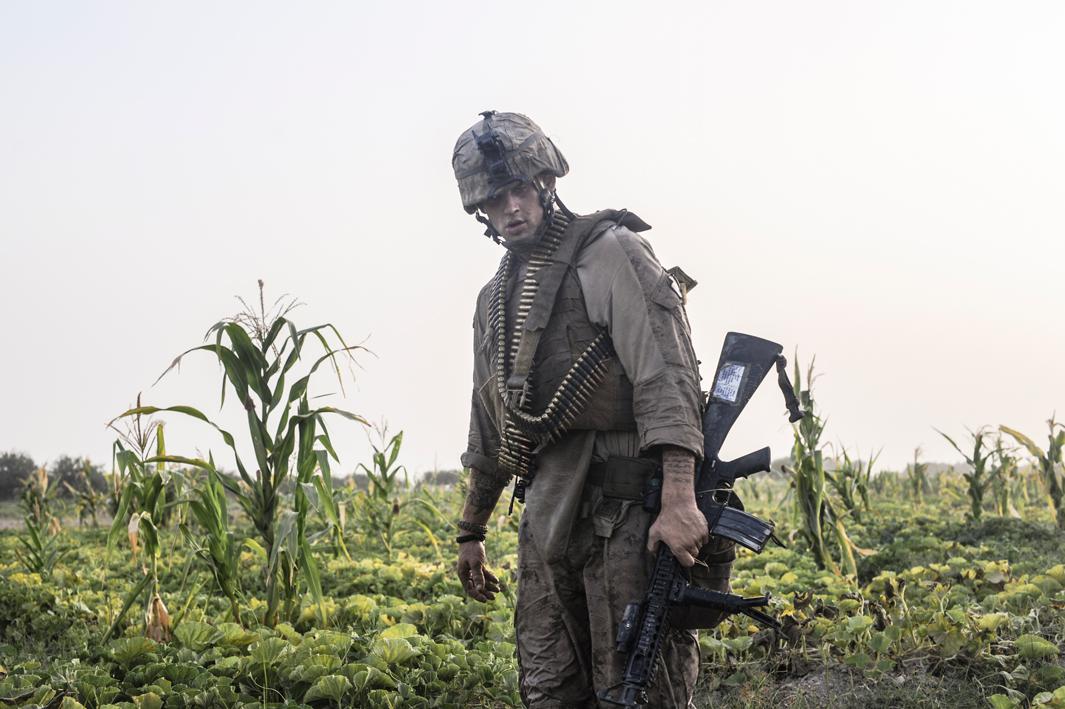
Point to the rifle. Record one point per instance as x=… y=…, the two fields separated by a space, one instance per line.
x=744 y=362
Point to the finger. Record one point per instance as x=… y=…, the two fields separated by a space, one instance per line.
x=477 y=578
x=653 y=538
x=684 y=558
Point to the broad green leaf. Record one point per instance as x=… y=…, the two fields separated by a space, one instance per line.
x=268 y=651
x=233 y=634
x=196 y=636
x=128 y=652
x=331 y=687
x=394 y=651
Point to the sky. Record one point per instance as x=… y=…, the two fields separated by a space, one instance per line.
x=877 y=185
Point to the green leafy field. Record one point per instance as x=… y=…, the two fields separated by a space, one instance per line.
x=944 y=612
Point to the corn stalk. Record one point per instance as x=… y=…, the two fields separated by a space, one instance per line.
x=142 y=504
x=979 y=477
x=258 y=351
x=1049 y=462
x=39 y=552
x=820 y=522
x=218 y=546
x=380 y=505
x=1005 y=475
x=917 y=477
x=87 y=498
x=850 y=479
x=381 y=508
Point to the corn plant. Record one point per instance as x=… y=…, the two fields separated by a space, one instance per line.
x=1005 y=475
x=258 y=350
x=850 y=479
x=40 y=549
x=820 y=522
x=87 y=498
x=331 y=502
x=917 y=477
x=217 y=546
x=139 y=463
x=380 y=507
x=1049 y=462
x=979 y=477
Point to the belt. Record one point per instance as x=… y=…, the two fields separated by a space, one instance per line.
x=622 y=477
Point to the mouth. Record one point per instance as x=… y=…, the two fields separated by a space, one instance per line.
x=514 y=226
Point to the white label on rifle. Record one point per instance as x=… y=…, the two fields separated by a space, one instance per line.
x=727 y=385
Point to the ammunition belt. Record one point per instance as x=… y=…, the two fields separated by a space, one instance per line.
x=522 y=430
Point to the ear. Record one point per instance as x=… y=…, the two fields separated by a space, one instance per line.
x=548 y=181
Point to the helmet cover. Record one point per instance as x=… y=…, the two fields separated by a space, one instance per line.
x=499 y=151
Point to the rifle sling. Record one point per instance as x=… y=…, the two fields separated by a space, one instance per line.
x=786 y=388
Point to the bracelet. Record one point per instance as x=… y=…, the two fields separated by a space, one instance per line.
x=472 y=527
x=469 y=538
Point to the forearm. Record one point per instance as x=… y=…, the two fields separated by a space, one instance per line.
x=678 y=477
x=482 y=496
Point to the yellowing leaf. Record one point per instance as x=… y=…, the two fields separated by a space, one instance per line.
x=1033 y=647
x=400 y=630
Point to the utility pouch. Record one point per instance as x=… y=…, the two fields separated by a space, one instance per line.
x=622 y=477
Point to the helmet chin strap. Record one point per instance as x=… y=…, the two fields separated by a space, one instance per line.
x=490 y=231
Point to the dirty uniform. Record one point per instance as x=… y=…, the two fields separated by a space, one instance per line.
x=581 y=546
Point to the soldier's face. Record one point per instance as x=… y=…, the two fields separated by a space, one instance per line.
x=516 y=213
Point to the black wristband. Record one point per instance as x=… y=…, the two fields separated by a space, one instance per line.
x=469 y=538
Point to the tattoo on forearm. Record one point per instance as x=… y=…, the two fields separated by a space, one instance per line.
x=678 y=464
x=484 y=491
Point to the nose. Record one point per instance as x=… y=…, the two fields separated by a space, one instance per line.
x=513 y=203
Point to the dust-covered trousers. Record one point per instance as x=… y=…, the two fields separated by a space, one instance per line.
x=568 y=610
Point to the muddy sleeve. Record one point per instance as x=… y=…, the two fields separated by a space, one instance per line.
x=627 y=291
x=482 y=444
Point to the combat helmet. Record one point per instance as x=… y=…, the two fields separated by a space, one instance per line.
x=499 y=151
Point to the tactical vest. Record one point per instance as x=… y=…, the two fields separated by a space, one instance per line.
x=557 y=330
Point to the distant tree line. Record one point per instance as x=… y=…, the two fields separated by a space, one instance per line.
x=16 y=467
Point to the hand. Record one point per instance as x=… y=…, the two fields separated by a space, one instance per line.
x=478 y=582
x=684 y=530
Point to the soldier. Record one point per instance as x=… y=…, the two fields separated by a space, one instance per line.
x=586 y=386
